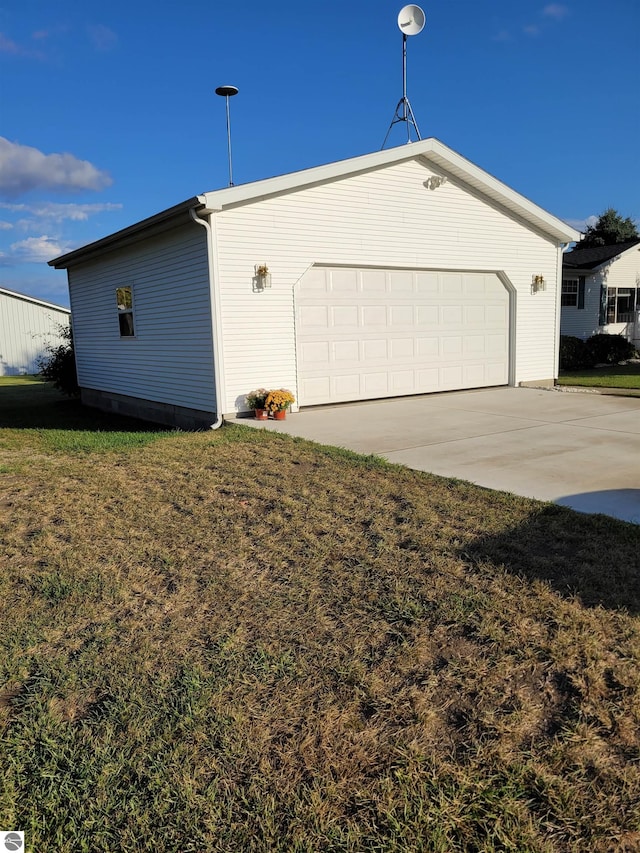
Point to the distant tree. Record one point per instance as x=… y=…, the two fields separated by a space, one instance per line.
x=610 y=229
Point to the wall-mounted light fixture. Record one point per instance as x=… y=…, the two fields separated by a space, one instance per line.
x=435 y=181
x=262 y=278
x=538 y=283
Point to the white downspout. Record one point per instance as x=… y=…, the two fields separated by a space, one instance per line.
x=561 y=250
x=216 y=325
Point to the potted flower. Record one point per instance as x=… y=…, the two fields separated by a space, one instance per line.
x=256 y=401
x=277 y=402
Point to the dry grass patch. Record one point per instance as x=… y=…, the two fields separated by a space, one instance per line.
x=242 y=641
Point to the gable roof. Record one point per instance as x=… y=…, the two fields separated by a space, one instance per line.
x=593 y=256
x=23 y=296
x=431 y=152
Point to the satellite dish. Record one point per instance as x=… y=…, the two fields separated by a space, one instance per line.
x=411 y=20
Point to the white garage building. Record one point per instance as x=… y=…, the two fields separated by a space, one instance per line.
x=28 y=327
x=405 y=271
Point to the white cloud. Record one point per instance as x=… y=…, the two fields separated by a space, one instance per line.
x=23 y=168
x=5 y=226
x=56 y=212
x=34 y=250
x=582 y=224
x=102 y=38
x=531 y=30
x=503 y=35
x=555 y=10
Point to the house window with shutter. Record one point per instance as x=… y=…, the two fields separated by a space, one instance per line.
x=124 y=301
x=573 y=292
x=570 y=289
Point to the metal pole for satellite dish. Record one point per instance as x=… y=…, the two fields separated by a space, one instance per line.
x=228 y=92
x=411 y=21
x=404 y=83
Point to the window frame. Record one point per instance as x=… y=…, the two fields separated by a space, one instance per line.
x=612 y=312
x=126 y=311
x=565 y=293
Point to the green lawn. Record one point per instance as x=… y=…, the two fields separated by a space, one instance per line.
x=240 y=641
x=616 y=376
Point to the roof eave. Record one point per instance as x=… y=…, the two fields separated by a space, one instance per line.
x=431 y=151
x=153 y=224
x=26 y=298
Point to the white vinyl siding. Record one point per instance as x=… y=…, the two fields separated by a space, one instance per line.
x=27 y=327
x=621 y=272
x=387 y=217
x=170 y=359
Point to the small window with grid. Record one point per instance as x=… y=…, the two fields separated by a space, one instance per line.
x=570 y=287
x=124 y=301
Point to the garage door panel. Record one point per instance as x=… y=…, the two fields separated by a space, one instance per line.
x=344 y=315
x=402 y=381
x=401 y=282
x=374 y=316
x=497 y=345
x=343 y=281
x=451 y=285
x=427 y=282
x=497 y=315
x=346 y=351
x=496 y=374
x=427 y=347
x=315 y=352
x=374 y=349
x=451 y=346
x=314 y=316
x=401 y=348
x=474 y=316
x=373 y=281
x=401 y=315
x=428 y=316
x=346 y=387
x=375 y=384
x=373 y=333
x=451 y=315
x=474 y=345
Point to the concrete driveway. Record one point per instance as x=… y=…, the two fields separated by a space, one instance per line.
x=578 y=450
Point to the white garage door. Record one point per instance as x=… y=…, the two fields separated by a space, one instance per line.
x=367 y=333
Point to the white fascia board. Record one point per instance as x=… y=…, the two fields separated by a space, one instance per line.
x=430 y=150
x=25 y=298
x=496 y=190
x=220 y=199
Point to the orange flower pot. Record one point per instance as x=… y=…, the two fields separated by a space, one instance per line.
x=280 y=415
x=261 y=414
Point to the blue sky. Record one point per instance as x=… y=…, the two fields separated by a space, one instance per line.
x=108 y=112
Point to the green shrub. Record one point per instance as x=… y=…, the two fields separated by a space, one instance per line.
x=574 y=354
x=59 y=367
x=609 y=349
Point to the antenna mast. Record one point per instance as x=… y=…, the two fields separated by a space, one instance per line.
x=228 y=92
x=410 y=22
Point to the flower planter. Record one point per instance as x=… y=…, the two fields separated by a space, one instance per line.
x=280 y=416
x=261 y=414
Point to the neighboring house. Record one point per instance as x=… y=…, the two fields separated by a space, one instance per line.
x=601 y=291
x=405 y=271
x=27 y=327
